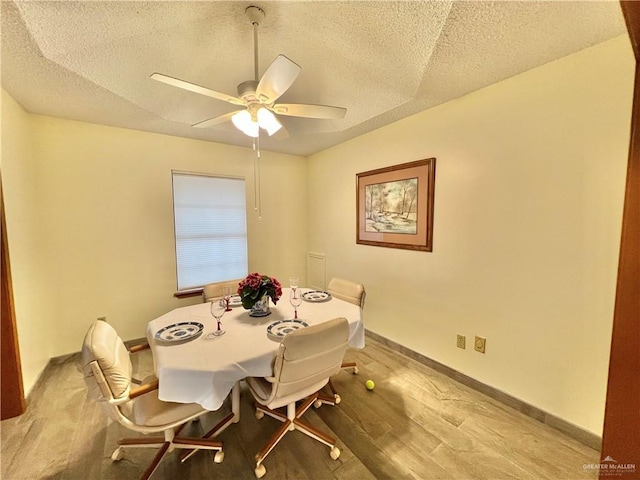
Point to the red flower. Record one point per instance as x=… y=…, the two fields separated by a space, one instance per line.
x=254 y=286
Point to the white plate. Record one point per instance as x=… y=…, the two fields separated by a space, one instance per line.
x=235 y=301
x=316 y=296
x=179 y=332
x=278 y=330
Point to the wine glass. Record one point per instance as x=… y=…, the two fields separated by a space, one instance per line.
x=293 y=283
x=218 y=307
x=226 y=293
x=295 y=298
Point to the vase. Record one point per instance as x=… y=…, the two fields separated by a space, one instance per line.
x=261 y=307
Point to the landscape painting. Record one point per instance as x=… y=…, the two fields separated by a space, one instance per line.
x=394 y=206
x=391 y=207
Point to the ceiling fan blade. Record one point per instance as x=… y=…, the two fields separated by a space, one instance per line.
x=310 y=111
x=192 y=87
x=212 y=122
x=277 y=79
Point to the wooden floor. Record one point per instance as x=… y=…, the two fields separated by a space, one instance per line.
x=417 y=423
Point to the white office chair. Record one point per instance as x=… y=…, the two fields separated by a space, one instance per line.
x=305 y=360
x=214 y=290
x=347 y=290
x=107 y=373
x=351 y=292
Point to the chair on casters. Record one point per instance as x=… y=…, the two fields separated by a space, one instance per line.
x=351 y=292
x=107 y=373
x=302 y=366
x=214 y=290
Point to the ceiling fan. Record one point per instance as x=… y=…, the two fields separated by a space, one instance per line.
x=258 y=96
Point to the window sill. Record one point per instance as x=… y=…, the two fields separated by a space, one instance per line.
x=192 y=292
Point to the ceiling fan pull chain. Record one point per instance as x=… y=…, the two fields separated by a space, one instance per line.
x=259 y=179
x=255 y=177
x=257 y=195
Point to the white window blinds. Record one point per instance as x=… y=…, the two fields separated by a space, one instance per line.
x=210 y=227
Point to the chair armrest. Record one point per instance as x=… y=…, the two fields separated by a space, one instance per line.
x=139 y=348
x=142 y=389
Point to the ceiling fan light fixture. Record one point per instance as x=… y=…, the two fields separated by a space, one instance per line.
x=243 y=122
x=268 y=121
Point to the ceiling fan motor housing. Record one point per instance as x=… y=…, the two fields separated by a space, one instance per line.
x=247 y=90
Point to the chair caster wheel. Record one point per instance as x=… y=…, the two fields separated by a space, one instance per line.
x=259 y=415
x=219 y=456
x=355 y=370
x=337 y=399
x=260 y=471
x=117 y=454
x=317 y=403
x=335 y=452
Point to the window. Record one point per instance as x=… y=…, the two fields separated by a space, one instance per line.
x=210 y=228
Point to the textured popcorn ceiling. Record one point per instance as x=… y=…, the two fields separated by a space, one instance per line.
x=382 y=60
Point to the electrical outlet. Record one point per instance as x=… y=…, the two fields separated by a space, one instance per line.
x=461 y=341
x=103 y=319
x=480 y=344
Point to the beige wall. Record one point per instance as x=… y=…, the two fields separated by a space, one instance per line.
x=23 y=198
x=105 y=200
x=529 y=190
x=528 y=203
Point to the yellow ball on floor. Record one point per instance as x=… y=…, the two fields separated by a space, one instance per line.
x=369 y=384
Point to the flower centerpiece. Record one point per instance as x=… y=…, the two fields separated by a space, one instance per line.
x=255 y=291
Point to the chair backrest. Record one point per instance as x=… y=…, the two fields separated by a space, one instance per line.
x=107 y=368
x=347 y=290
x=308 y=357
x=214 y=290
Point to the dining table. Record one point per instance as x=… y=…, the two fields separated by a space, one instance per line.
x=205 y=368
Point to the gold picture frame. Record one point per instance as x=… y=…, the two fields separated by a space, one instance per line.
x=394 y=206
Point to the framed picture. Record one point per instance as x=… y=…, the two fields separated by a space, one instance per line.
x=394 y=206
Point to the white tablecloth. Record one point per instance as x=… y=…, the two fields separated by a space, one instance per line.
x=204 y=371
